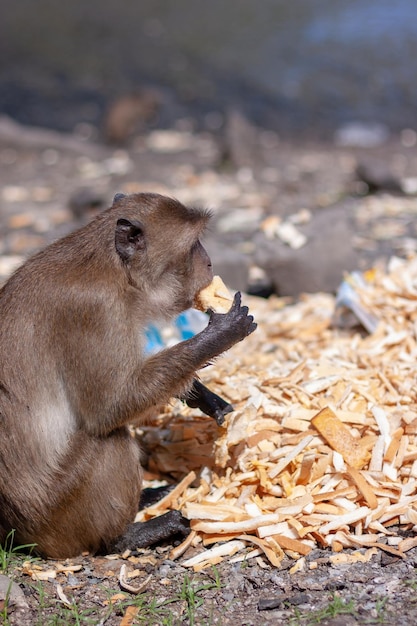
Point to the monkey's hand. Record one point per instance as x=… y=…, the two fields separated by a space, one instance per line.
x=170 y=372
x=234 y=325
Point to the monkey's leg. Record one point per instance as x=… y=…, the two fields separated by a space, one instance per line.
x=200 y=397
x=155 y=530
x=152 y=495
x=165 y=527
x=94 y=496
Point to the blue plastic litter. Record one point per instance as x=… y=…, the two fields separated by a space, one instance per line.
x=185 y=326
x=154 y=341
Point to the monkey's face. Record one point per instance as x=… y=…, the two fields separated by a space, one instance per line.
x=185 y=276
x=158 y=242
x=202 y=270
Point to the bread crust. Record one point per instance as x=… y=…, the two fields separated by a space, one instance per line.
x=216 y=297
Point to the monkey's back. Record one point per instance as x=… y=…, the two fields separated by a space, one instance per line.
x=46 y=309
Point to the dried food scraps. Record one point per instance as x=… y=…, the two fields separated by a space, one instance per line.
x=321 y=450
x=355 y=452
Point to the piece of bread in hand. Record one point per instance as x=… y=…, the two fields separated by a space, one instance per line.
x=216 y=297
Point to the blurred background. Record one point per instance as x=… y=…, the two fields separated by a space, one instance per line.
x=297 y=67
x=295 y=122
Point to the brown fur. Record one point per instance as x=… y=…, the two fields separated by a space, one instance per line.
x=73 y=374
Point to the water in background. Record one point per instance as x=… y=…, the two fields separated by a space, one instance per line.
x=299 y=65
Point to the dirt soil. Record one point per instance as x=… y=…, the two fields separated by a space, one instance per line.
x=50 y=183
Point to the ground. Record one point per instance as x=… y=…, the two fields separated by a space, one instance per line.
x=380 y=592
x=50 y=183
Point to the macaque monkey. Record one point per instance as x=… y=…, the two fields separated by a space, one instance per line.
x=73 y=373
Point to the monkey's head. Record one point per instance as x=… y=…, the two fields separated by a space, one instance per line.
x=157 y=241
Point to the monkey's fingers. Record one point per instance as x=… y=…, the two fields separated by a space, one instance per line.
x=247 y=320
x=234 y=325
x=237 y=300
x=252 y=326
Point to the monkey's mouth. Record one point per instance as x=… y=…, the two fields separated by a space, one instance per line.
x=206 y=284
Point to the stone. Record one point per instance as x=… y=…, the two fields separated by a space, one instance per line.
x=320 y=264
x=11 y=592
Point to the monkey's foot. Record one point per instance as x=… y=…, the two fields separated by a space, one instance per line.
x=200 y=397
x=151 y=495
x=169 y=526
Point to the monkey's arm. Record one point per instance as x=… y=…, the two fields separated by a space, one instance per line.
x=200 y=397
x=162 y=376
x=171 y=372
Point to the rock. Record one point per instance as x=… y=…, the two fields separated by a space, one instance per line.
x=13 y=603
x=377 y=177
x=14 y=134
x=12 y=591
x=240 y=220
x=320 y=264
x=265 y=604
x=259 y=283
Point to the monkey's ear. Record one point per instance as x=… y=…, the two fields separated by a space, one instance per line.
x=119 y=196
x=129 y=238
